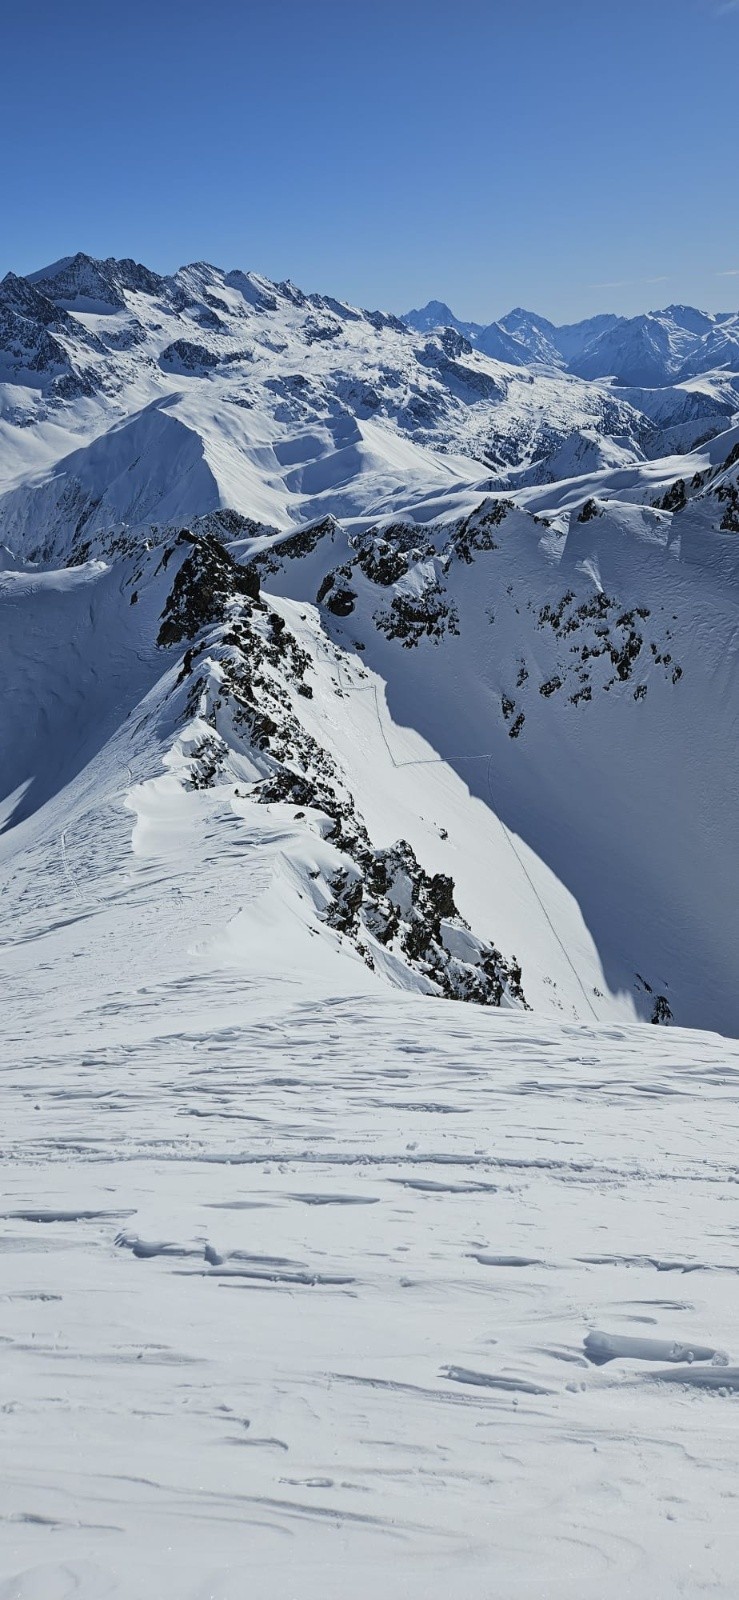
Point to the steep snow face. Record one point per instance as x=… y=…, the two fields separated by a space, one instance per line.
x=38 y=341
x=652 y=350
x=172 y=656
x=537 y=336
x=646 y=350
x=579 y=677
x=573 y=338
x=150 y=467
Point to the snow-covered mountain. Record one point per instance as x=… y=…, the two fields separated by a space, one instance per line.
x=368 y=774
x=649 y=351
x=510 y=579
x=282 y=405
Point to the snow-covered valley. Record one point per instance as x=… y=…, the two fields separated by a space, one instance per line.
x=368 y=756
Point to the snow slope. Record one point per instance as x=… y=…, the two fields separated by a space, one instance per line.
x=582 y=682
x=302 y=1277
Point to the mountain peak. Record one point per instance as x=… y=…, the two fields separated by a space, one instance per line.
x=435 y=314
x=519 y=317
x=84 y=282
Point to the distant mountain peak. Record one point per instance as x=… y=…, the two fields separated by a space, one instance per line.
x=435 y=314
x=520 y=317
x=79 y=280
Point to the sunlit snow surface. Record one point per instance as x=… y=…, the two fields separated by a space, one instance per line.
x=297 y=1272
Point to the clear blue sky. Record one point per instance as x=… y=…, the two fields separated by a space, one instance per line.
x=564 y=155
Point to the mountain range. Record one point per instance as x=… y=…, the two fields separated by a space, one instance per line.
x=651 y=351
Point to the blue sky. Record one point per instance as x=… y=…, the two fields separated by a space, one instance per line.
x=564 y=155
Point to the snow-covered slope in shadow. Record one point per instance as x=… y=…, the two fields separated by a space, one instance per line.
x=73 y=672
x=147 y=468
x=583 y=685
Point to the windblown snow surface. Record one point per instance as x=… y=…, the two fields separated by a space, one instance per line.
x=370 y=915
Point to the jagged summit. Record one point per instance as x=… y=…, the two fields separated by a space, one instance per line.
x=81 y=280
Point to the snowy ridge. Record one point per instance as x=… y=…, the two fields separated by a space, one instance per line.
x=348 y=675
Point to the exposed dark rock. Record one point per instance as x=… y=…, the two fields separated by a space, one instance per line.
x=381 y=560
x=250 y=661
x=675 y=497
x=474 y=533
x=728 y=494
x=183 y=353
x=206 y=582
x=315 y=332
x=412 y=617
x=296 y=545
x=454 y=343
x=403 y=907
x=338 y=598
x=589 y=510
x=207 y=760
